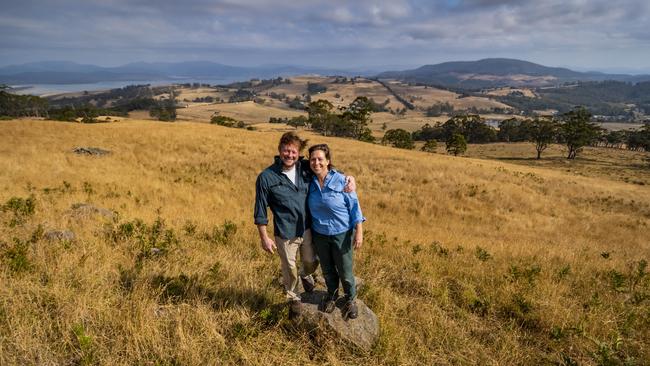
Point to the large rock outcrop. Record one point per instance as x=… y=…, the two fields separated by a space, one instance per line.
x=362 y=332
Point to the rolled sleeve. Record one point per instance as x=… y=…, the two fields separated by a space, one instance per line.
x=354 y=209
x=261 y=202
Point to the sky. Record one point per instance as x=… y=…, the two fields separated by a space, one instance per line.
x=603 y=35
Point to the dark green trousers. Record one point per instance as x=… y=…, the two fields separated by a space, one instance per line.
x=336 y=254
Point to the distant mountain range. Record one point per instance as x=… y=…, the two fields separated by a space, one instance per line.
x=64 y=72
x=495 y=72
x=492 y=72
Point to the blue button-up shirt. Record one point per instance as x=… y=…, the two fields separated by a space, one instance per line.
x=332 y=210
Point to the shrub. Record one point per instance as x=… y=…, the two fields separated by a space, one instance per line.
x=227 y=122
x=430 y=146
x=21 y=208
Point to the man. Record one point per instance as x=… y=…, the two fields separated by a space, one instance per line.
x=283 y=187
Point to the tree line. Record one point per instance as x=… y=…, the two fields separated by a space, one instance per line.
x=87 y=108
x=573 y=128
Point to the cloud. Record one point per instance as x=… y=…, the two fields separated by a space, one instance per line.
x=389 y=31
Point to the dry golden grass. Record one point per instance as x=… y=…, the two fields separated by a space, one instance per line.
x=410 y=121
x=298 y=85
x=339 y=94
x=598 y=162
x=193 y=93
x=507 y=90
x=424 y=97
x=466 y=261
x=249 y=112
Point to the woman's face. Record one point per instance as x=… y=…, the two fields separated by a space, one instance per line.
x=318 y=162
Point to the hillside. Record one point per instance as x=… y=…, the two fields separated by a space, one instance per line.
x=498 y=72
x=466 y=261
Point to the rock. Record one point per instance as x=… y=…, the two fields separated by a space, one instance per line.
x=87 y=210
x=362 y=332
x=59 y=235
x=90 y=151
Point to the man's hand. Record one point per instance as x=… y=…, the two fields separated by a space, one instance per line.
x=268 y=245
x=350 y=184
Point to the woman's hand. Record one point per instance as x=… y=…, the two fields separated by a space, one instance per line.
x=358 y=237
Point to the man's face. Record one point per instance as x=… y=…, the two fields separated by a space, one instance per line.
x=289 y=155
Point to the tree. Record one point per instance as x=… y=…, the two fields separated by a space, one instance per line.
x=352 y=122
x=577 y=130
x=321 y=116
x=637 y=140
x=297 y=122
x=543 y=131
x=398 y=138
x=471 y=126
x=428 y=132
x=430 y=146
x=514 y=130
x=315 y=88
x=614 y=139
x=227 y=121
x=456 y=144
x=357 y=114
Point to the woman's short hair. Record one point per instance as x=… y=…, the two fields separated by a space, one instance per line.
x=292 y=138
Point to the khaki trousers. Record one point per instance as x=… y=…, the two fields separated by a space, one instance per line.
x=288 y=250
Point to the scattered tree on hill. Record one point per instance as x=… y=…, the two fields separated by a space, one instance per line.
x=352 y=122
x=456 y=144
x=639 y=140
x=578 y=131
x=428 y=132
x=471 y=126
x=241 y=95
x=430 y=146
x=321 y=117
x=542 y=131
x=164 y=111
x=296 y=103
x=357 y=117
x=613 y=139
x=315 y=88
x=438 y=109
x=227 y=121
x=514 y=130
x=398 y=138
x=296 y=122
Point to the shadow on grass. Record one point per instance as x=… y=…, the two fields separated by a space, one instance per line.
x=183 y=288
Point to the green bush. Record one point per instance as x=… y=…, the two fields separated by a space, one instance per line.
x=430 y=146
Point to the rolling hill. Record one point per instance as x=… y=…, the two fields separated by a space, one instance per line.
x=497 y=72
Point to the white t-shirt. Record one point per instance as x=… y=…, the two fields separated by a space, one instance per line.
x=291 y=173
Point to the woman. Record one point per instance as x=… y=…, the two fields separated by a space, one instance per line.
x=336 y=229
